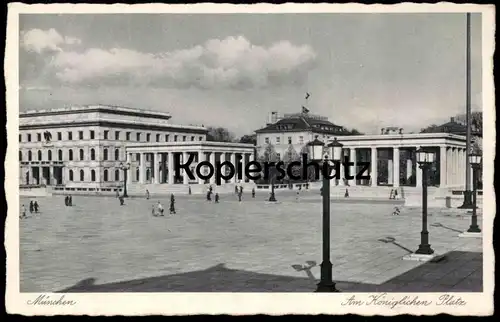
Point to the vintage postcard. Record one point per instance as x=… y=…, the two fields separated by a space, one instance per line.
x=243 y=159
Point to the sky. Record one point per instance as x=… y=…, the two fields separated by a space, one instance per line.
x=363 y=71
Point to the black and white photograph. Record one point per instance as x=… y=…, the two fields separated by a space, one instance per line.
x=200 y=152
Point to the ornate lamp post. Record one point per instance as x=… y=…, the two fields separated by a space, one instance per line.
x=424 y=158
x=315 y=147
x=475 y=161
x=125 y=167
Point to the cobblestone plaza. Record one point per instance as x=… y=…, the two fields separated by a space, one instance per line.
x=253 y=246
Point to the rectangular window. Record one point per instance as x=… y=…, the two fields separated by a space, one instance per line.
x=137 y=157
x=201 y=138
x=80 y=135
x=183 y=138
x=127 y=136
x=277 y=140
x=138 y=137
x=157 y=137
x=29 y=137
x=70 y=136
x=175 y=138
x=59 y=136
x=166 y=137
x=117 y=135
x=278 y=156
x=266 y=140
x=92 y=135
x=38 y=137
x=192 y=138
x=301 y=140
x=148 y=137
x=106 y=133
x=289 y=140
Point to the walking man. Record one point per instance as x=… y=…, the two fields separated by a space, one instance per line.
x=23 y=212
x=31 y=207
x=147 y=194
x=216 y=197
x=35 y=205
x=160 y=209
x=172 y=204
x=253 y=192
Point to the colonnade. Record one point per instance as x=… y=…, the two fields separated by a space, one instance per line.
x=165 y=160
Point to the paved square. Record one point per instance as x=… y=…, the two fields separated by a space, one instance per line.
x=99 y=246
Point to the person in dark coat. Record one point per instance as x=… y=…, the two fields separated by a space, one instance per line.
x=31 y=207
x=253 y=192
x=35 y=205
x=172 y=204
x=209 y=195
x=122 y=201
x=66 y=201
x=70 y=200
x=239 y=196
x=216 y=197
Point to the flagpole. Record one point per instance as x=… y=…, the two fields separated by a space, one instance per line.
x=468 y=193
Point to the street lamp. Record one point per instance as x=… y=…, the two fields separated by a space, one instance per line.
x=424 y=158
x=125 y=167
x=316 y=152
x=475 y=162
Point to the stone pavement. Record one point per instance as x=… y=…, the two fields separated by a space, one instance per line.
x=99 y=246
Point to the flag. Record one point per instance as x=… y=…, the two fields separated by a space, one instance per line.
x=304 y=110
x=307 y=95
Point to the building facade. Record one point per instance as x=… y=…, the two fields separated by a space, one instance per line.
x=83 y=147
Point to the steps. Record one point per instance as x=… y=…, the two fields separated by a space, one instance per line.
x=139 y=190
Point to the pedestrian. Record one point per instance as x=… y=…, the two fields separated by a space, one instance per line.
x=189 y=189
x=297 y=197
x=253 y=192
x=147 y=194
x=172 y=204
x=35 y=205
x=216 y=197
x=122 y=201
x=239 y=196
x=70 y=200
x=66 y=200
x=209 y=193
x=160 y=209
x=31 y=207
x=23 y=212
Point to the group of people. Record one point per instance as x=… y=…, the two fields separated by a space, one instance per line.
x=157 y=210
x=68 y=200
x=33 y=208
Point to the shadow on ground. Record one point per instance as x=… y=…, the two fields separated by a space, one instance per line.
x=459 y=272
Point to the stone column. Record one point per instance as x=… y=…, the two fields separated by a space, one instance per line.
x=395 y=156
x=341 y=171
x=354 y=168
x=142 y=168
x=390 y=171
x=156 y=167
x=455 y=166
x=212 y=162
x=243 y=165
x=373 y=165
x=170 y=167
x=201 y=158
x=233 y=162
x=448 y=166
x=50 y=180
x=442 y=166
x=409 y=168
x=185 y=178
x=130 y=171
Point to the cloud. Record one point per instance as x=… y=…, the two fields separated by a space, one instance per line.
x=232 y=62
x=40 y=41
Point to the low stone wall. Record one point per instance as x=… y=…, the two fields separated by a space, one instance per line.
x=35 y=192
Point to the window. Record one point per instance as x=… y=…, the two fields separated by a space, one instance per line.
x=201 y=138
x=301 y=139
x=105 y=154
x=278 y=156
x=106 y=175
x=38 y=137
x=106 y=134
x=39 y=155
x=80 y=135
x=20 y=137
x=117 y=135
x=59 y=136
x=278 y=140
x=92 y=154
x=183 y=138
x=82 y=175
x=29 y=156
x=266 y=140
x=117 y=154
x=148 y=137
x=60 y=155
x=289 y=140
x=92 y=135
x=117 y=175
x=166 y=137
x=127 y=136
x=70 y=175
x=192 y=138
x=175 y=138
x=92 y=175
x=81 y=155
x=50 y=155
x=157 y=137
x=138 y=137
x=29 y=137
x=20 y=156
x=70 y=136
x=70 y=156
x=137 y=157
